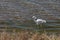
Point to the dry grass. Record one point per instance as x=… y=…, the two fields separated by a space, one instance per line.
x=27 y=35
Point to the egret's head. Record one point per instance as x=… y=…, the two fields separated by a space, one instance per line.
x=34 y=17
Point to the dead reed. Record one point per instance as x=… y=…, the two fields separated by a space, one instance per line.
x=27 y=35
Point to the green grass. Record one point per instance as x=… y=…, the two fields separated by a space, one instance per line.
x=28 y=23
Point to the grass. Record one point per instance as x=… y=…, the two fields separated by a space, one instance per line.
x=28 y=35
x=21 y=34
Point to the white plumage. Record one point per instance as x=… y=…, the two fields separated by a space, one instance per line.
x=38 y=21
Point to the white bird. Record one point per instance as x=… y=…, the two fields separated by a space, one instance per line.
x=38 y=21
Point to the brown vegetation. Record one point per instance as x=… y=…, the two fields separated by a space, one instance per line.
x=27 y=35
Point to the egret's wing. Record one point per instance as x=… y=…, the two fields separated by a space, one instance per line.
x=39 y=20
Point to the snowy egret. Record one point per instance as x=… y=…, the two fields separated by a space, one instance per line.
x=38 y=21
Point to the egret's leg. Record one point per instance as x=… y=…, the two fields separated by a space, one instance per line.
x=39 y=26
x=42 y=28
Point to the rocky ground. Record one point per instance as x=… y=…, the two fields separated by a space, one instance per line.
x=25 y=9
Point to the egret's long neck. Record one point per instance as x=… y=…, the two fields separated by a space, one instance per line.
x=35 y=19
